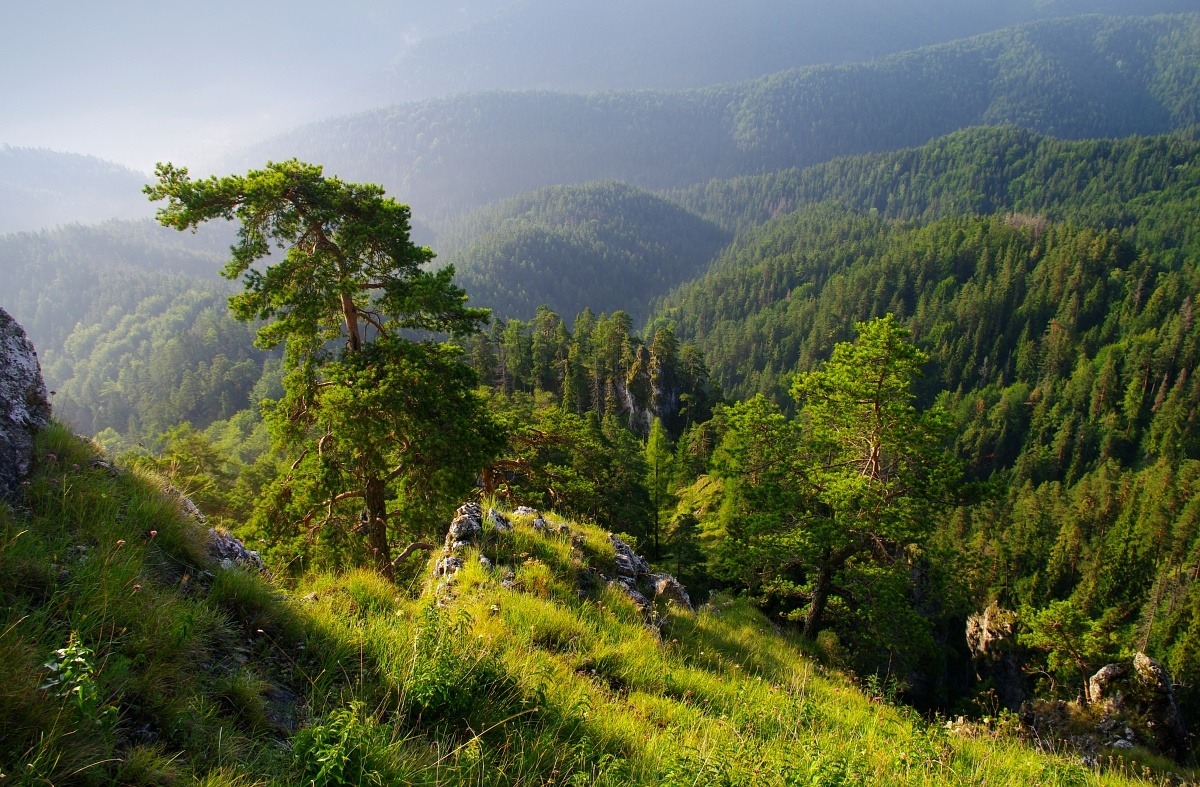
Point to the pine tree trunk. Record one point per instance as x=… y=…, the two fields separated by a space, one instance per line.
x=377 y=538
x=816 y=607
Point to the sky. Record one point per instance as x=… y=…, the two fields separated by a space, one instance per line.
x=139 y=82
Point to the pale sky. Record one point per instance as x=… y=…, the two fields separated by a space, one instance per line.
x=138 y=82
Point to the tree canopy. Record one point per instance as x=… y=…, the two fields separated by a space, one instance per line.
x=373 y=421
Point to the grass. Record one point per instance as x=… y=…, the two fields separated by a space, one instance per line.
x=181 y=673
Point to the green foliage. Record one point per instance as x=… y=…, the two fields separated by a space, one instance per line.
x=812 y=506
x=383 y=417
x=449 y=672
x=70 y=676
x=343 y=681
x=341 y=749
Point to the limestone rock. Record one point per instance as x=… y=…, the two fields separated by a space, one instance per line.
x=499 y=521
x=447 y=566
x=466 y=528
x=228 y=551
x=629 y=563
x=670 y=589
x=639 y=583
x=1141 y=695
x=992 y=641
x=24 y=406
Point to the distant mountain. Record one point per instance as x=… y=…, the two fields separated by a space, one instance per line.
x=1075 y=78
x=43 y=188
x=606 y=246
x=592 y=45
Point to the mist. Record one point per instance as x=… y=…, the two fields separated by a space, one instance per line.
x=137 y=82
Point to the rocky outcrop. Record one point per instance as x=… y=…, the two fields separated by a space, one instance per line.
x=228 y=551
x=642 y=585
x=466 y=530
x=1130 y=703
x=633 y=574
x=24 y=406
x=1139 y=695
x=995 y=654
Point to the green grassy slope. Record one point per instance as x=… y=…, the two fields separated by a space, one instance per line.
x=126 y=656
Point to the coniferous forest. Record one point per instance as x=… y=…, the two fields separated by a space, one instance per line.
x=890 y=367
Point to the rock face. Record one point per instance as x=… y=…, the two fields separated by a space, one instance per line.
x=24 y=406
x=992 y=640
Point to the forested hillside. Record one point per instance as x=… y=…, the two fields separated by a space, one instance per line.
x=1081 y=77
x=131 y=325
x=1145 y=188
x=42 y=189
x=611 y=45
x=1061 y=344
x=603 y=246
x=975 y=171
x=885 y=357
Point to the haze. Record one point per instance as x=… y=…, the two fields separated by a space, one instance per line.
x=137 y=82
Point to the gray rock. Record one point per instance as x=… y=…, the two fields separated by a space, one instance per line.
x=1104 y=686
x=1141 y=692
x=526 y=511
x=540 y=526
x=670 y=589
x=629 y=589
x=447 y=566
x=228 y=551
x=467 y=527
x=629 y=563
x=499 y=521
x=992 y=641
x=24 y=406
x=186 y=505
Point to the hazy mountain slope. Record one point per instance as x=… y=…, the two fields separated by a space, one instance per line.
x=49 y=280
x=605 y=246
x=593 y=45
x=130 y=322
x=43 y=188
x=1090 y=76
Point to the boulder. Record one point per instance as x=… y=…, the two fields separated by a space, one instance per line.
x=629 y=564
x=1141 y=694
x=670 y=589
x=24 y=406
x=228 y=551
x=499 y=521
x=466 y=528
